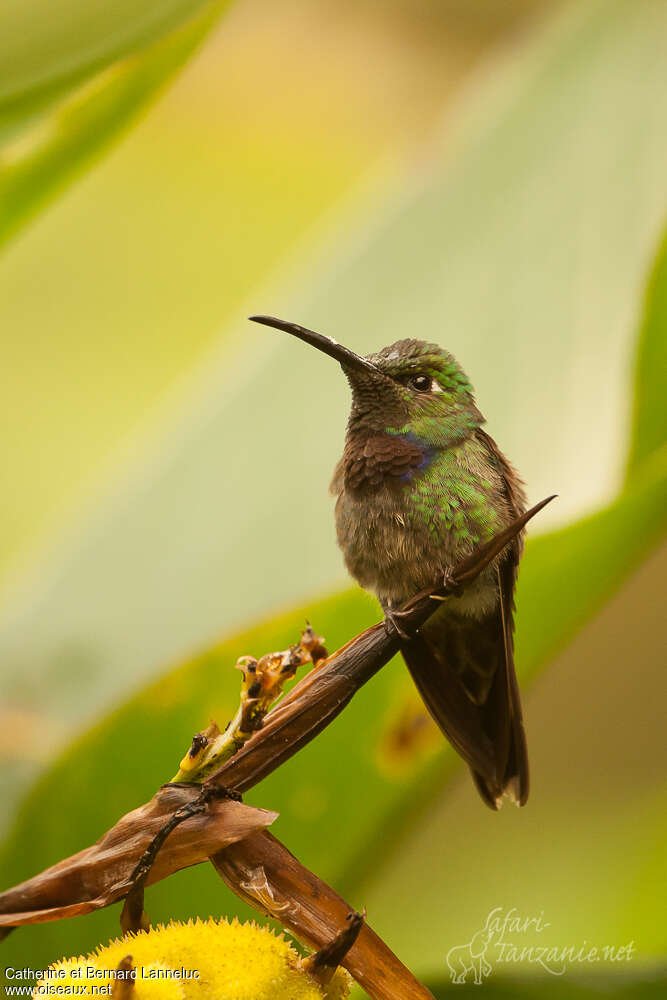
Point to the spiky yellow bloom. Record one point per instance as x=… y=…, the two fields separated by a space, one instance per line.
x=211 y=960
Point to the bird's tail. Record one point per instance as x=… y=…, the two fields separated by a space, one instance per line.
x=464 y=671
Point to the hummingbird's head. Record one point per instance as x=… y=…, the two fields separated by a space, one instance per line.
x=436 y=396
x=410 y=387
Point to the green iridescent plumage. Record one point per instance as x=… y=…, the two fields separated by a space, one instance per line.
x=453 y=500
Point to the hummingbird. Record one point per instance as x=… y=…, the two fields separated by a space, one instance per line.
x=419 y=486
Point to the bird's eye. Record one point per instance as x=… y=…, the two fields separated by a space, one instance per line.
x=420 y=383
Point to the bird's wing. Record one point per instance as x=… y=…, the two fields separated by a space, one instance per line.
x=464 y=670
x=507 y=699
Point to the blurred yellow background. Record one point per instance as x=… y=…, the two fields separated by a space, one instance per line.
x=124 y=282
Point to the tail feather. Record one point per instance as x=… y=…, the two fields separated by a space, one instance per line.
x=444 y=696
x=464 y=671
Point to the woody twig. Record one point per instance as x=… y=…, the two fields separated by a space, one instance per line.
x=265 y=874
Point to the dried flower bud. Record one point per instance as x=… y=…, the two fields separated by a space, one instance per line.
x=262 y=685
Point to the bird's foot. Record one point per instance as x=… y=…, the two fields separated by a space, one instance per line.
x=391 y=624
x=449 y=582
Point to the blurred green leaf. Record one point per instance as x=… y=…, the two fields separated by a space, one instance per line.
x=514 y=249
x=649 y=430
x=645 y=985
x=574 y=570
x=343 y=781
x=644 y=904
x=153 y=251
x=44 y=43
x=59 y=143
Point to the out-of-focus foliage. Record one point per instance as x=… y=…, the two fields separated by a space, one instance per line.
x=58 y=142
x=520 y=249
x=565 y=577
x=518 y=275
x=314 y=792
x=122 y=284
x=643 y=987
x=650 y=414
x=125 y=281
x=44 y=44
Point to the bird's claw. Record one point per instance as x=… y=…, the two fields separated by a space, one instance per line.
x=450 y=584
x=391 y=625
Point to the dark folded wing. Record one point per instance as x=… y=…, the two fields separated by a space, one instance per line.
x=516 y=779
x=464 y=670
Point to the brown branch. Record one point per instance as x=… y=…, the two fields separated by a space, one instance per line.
x=265 y=874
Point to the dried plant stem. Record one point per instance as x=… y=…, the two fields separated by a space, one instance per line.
x=133 y=917
x=262 y=685
x=265 y=874
x=101 y=874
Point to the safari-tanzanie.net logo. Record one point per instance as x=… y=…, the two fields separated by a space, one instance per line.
x=509 y=938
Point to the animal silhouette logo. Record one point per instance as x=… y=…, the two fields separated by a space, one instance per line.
x=470 y=957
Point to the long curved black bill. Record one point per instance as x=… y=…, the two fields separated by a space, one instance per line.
x=345 y=357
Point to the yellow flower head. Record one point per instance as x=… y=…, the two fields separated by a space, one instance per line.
x=200 y=960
